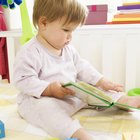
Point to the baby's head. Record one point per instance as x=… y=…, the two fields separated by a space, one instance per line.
x=71 y=10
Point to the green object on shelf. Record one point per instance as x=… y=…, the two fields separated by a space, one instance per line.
x=134 y=92
x=27 y=28
x=10 y=1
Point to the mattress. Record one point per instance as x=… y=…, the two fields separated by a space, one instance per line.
x=110 y=124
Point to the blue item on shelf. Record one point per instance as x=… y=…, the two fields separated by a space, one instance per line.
x=2 y=130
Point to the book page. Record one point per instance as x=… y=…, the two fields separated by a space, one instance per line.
x=96 y=97
x=96 y=91
x=89 y=94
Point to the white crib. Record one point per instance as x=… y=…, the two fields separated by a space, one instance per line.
x=112 y=49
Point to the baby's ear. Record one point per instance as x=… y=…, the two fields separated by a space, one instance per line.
x=42 y=22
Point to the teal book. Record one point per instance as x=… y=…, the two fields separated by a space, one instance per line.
x=95 y=96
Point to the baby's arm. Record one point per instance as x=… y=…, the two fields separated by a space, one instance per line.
x=56 y=90
x=108 y=85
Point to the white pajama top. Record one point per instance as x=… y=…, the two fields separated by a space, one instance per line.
x=35 y=68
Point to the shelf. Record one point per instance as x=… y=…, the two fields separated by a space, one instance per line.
x=111 y=26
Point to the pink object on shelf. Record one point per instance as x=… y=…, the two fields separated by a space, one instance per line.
x=97 y=14
x=4 y=71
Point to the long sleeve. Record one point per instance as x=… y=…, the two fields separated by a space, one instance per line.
x=35 y=68
x=27 y=68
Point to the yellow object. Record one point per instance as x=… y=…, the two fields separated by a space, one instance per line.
x=126 y=19
x=131 y=3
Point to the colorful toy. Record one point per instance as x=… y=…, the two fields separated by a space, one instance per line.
x=134 y=92
x=10 y=3
x=27 y=29
x=2 y=130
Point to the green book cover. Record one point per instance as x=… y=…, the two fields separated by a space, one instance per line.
x=95 y=96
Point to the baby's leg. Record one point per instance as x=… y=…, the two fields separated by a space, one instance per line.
x=54 y=116
x=130 y=100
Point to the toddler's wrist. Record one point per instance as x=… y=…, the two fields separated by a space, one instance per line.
x=100 y=82
x=47 y=91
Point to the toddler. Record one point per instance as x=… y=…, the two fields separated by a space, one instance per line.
x=47 y=61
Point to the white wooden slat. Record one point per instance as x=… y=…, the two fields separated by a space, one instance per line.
x=132 y=45
x=113 y=58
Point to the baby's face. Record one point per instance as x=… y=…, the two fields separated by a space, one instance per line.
x=57 y=34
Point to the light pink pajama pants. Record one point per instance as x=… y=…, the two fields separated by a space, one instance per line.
x=53 y=115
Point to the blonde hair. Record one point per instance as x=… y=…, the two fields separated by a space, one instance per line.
x=72 y=10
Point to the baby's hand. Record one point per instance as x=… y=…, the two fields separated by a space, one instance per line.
x=56 y=90
x=108 y=85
